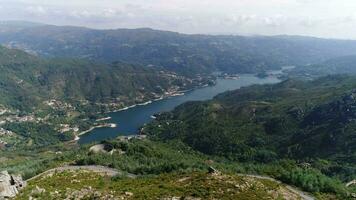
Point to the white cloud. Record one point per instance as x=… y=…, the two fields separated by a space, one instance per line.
x=326 y=18
x=37 y=10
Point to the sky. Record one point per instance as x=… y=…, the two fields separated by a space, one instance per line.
x=320 y=18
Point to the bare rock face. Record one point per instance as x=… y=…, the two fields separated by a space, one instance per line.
x=10 y=185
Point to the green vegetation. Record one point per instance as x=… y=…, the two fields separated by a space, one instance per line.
x=27 y=81
x=29 y=163
x=257 y=123
x=301 y=133
x=309 y=122
x=186 y=54
x=147 y=157
x=41 y=97
x=339 y=65
x=39 y=134
x=192 y=185
x=282 y=131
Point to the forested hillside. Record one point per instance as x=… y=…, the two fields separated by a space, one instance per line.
x=178 y=52
x=28 y=80
x=339 y=65
x=57 y=83
x=292 y=119
x=311 y=122
x=39 y=97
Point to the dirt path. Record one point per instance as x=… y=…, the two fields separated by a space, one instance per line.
x=94 y=168
x=304 y=195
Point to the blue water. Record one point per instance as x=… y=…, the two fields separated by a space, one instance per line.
x=129 y=121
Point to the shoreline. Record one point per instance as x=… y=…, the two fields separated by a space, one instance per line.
x=162 y=97
x=103 y=119
x=175 y=94
x=77 y=138
x=178 y=93
x=109 y=125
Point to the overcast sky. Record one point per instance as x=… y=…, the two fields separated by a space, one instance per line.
x=322 y=18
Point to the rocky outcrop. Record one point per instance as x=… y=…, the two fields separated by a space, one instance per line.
x=102 y=148
x=10 y=185
x=353 y=182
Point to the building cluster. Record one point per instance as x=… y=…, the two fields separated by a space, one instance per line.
x=16 y=118
x=58 y=105
x=131 y=137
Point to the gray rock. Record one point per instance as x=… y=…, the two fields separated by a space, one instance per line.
x=10 y=185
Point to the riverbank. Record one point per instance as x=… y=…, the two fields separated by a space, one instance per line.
x=132 y=120
x=103 y=119
x=165 y=96
x=108 y=125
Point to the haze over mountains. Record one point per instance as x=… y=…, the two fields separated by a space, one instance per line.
x=173 y=51
x=59 y=82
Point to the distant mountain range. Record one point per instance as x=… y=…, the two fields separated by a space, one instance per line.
x=188 y=54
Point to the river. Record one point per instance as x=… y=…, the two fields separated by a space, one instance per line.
x=130 y=120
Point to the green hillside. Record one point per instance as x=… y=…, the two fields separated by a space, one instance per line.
x=311 y=122
x=235 y=146
x=39 y=97
x=188 y=54
x=339 y=65
x=27 y=80
x=196 y=185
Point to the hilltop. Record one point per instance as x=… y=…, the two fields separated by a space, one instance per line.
x=195 y=185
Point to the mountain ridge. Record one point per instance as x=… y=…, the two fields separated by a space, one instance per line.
x=183 y=53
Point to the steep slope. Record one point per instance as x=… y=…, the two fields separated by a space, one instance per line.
x=179 y=52
x=49 y=101
x=27 y=80
x=304 y=121
x=18 y=87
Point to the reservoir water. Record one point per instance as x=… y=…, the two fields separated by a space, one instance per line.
x=130 y=120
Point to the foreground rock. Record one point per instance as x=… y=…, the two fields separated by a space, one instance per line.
x=10 y=185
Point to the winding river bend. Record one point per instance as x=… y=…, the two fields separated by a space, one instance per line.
x=130 y=120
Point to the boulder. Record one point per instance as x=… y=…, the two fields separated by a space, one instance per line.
x=10 y=185
x=102 y=148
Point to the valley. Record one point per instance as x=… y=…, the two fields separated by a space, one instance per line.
x=131 y=120
x=176 y=116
